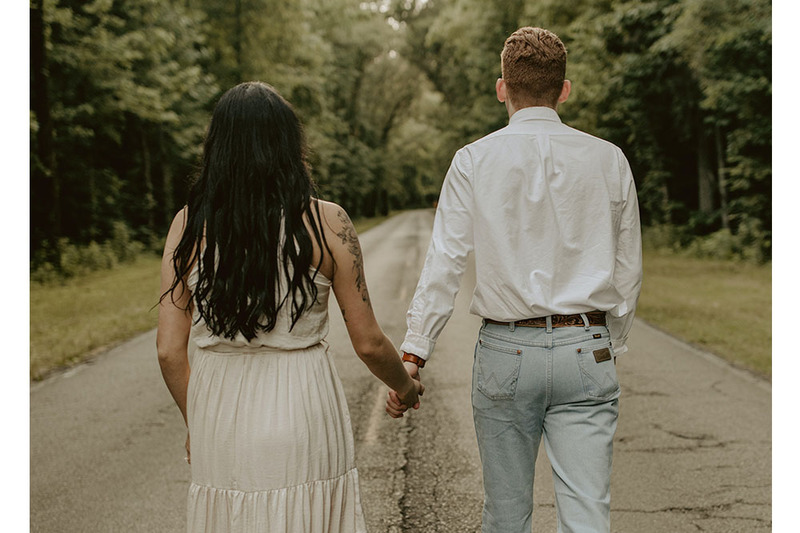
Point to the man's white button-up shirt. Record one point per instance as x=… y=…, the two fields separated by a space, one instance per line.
x=552 y=217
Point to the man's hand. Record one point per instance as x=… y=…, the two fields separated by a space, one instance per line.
x=412 y=369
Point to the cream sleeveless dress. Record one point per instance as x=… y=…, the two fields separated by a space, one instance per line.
x=271 y=441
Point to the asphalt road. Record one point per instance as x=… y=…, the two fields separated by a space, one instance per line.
x=693 y=446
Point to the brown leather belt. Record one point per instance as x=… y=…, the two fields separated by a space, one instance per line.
x=596 y=318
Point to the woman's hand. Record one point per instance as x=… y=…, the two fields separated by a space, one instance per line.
x=397 y=403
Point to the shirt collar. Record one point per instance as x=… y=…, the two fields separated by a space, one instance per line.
x=534 y=113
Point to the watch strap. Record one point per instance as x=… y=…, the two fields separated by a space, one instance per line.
x=411 y=358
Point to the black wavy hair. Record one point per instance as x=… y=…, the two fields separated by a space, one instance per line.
x=247 y=213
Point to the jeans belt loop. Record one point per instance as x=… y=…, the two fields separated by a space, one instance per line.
x=549 y=320
x=585 y=318
x=512 y=325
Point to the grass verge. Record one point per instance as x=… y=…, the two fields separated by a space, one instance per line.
x=69 y=322
x=720 y=306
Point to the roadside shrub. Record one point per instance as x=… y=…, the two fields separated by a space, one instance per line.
x=122 y=244
x=756 y=241
x=45 y=273
x=751 y=243
x=76 y=260
x=721 y=244
x=662 y=237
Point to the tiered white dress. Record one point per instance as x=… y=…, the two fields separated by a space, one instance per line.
x=271 y=440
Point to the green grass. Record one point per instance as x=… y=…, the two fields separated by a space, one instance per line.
x=723 y=307
x=70 y=322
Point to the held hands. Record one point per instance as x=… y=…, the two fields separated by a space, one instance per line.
x=398 y=403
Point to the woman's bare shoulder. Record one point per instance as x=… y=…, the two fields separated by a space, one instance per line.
x=333 y=216
x=178 y=224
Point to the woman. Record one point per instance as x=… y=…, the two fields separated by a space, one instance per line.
x=247 y=268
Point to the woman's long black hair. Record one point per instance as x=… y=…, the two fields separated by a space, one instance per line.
x=247 y=214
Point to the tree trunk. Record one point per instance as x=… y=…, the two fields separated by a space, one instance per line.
x=147 y=174
x=721 y=170
x=384 y=204
x=665 y=205
x=705 y=175
x=44 y=179
x=167 y=203
x=351 y=112
x=168 y=193
x=94 y=209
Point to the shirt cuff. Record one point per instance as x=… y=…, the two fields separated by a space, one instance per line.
x=619 y=347
x=417 y=345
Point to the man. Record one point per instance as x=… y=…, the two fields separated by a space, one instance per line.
x=552 y=217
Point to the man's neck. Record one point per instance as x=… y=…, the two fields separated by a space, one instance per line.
x=511 y=108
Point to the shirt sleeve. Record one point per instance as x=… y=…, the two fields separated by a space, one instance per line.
x=628 y=265
x=445 y=262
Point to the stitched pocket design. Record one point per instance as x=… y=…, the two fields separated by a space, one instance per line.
x=498 y=370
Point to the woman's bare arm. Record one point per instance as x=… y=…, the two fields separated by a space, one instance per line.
x=174 y=321
x=352 y=295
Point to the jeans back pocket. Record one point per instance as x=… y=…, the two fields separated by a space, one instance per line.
x=497 y=369
x=598 y=371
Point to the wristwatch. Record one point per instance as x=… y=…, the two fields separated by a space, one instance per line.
x=411 y=358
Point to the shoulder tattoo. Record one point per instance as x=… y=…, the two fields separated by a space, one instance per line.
x=350 y=239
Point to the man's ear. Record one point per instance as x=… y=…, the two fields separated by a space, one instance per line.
x=565 y=90
x=500 y=88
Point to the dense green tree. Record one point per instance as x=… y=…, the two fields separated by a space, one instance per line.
x=729 y=47
x=646 y=104
x=128 y=99
x=368 y=92
x=45 y=184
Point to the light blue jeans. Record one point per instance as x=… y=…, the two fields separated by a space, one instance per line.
x=559 y=384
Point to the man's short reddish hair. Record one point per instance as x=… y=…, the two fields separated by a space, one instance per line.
x=534 y=65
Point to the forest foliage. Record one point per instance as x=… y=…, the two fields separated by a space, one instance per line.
x=121 y=94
